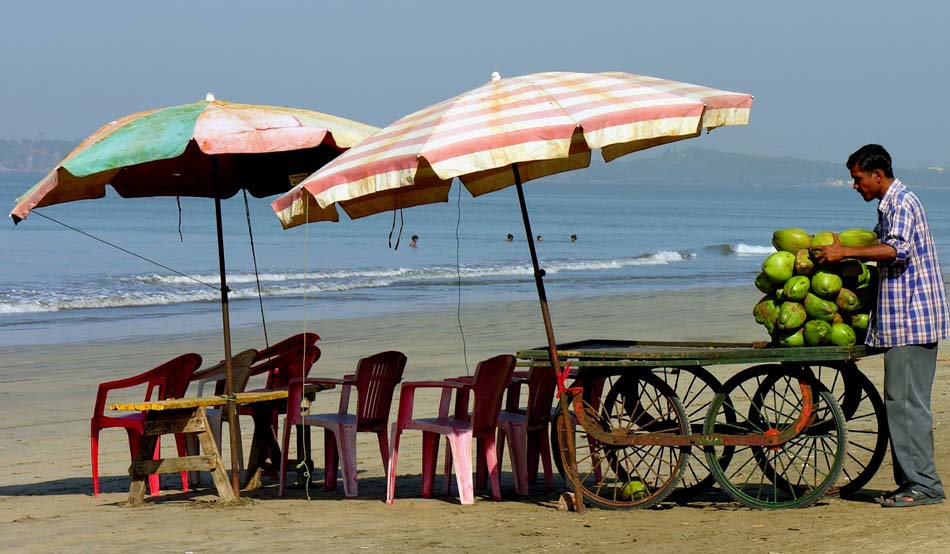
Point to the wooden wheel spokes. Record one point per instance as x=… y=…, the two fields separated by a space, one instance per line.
x=768 y=400
x=612 y=474
x=696 y=388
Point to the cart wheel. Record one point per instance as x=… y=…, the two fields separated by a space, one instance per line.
x=863 y=410
x=617 y=476
x=696 y=388
x=767 y=399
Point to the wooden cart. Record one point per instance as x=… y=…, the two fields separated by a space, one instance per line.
x=646 y=420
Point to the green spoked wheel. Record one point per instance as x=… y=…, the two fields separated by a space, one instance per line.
x=866 y=422
x=611 y=474
x=696 y=388
x=767 y=400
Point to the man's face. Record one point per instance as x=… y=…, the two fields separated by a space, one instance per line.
x=867 y=183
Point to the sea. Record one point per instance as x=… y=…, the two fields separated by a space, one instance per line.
x=113 y=268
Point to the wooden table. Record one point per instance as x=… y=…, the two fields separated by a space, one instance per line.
x=187 y=415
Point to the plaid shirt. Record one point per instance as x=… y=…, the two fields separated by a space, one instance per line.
x=912 y=299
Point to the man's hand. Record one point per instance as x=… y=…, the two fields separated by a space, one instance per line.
x=829 y=253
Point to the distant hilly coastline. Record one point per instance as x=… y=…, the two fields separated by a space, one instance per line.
x=672 y=164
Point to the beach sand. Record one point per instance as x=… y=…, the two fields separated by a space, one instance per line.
x=46 y=503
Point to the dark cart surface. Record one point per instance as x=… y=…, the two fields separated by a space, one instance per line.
x=610 y=352
x=645 y=420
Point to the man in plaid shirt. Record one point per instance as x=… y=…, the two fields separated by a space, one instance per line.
x=912 y=315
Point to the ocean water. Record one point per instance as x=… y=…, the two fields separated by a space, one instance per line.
x=58 y=285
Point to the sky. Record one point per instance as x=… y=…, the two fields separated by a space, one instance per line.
x=827 y=76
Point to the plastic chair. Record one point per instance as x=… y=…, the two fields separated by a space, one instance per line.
x=279 y=368
x=169 y=380
x=375 y=381
x=217 y=374
x=527 y=428
x=488 y=386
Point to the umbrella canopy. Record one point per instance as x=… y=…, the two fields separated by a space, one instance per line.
x=208 y=149
x=546 y=123
x=503 y=133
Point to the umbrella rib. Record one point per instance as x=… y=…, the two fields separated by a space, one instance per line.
x=117 y=247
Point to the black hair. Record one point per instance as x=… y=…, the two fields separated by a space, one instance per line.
x=870 y=157
x=415 y=237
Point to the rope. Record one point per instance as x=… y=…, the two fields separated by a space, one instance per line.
x=257 y=277
x=117 y=247
x=181 y=238
x=458 y=272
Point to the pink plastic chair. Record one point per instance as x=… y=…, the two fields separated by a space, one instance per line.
x=375 y=381
x=527 y=428
x=169 y=380
x=488 y=385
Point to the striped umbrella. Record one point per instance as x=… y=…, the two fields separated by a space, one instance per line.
x=209 y=149
x=504 y=133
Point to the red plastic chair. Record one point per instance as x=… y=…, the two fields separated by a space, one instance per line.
x=488 y=386
x=280 y=368
x=527 y=428
x=375 y=381
x=169 y=380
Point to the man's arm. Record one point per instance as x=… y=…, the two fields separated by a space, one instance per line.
x=835 y=252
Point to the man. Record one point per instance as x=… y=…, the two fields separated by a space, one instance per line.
x=912 y=315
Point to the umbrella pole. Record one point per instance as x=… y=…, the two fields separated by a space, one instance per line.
x=570 y=465
x=229 y=368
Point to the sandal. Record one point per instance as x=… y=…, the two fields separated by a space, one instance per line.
x=909 y=497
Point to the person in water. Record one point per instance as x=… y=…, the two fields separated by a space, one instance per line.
x=414 y=241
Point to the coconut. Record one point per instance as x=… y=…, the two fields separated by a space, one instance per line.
x=823 y=238
x=791 y=240
x=817 y=308
x=766 y=313
x=847 y=300
x=859 y=322
x=791 y=315
x=857 y=237
x=842 y=335
x=779 y=267
x=826 y=284
x=790 y=338
x=804 y=263
x=816 y=332
x=764 y=284
x=796 y=288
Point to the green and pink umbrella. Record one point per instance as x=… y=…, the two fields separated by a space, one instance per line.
x=208 y=149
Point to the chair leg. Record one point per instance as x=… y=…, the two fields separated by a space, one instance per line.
x=346 y=446
x=383 y=438
x=135 y=440
x=461 y=447
x=430 y=455
x=391 y=466
x=516 y=453
x=182 y=447
x=284 y=447
x=447 y=470
x=94 y=448
x=481 y=474
x=491 y=460
x=331 y=460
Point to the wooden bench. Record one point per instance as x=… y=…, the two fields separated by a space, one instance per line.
x=187 y=415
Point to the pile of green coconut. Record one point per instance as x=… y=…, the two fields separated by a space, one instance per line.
x=810 y=305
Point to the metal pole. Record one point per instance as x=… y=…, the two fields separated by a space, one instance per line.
x=571 y=466
x=226 y=324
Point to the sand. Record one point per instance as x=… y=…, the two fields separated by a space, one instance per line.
x=46 y=503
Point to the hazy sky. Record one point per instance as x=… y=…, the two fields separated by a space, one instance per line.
x=828 y=76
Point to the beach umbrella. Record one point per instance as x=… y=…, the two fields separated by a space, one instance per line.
x=506 y=132
x=209 y=149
